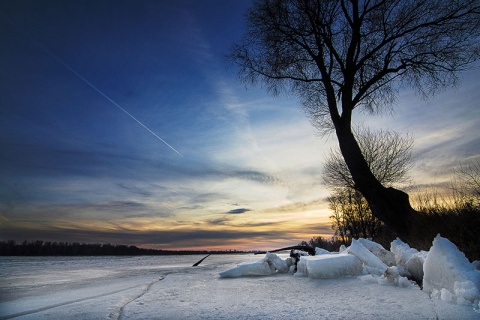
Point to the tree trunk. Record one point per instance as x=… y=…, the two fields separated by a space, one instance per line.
x=393 y=207
x=390 y=205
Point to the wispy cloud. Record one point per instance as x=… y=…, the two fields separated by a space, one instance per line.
x=238 y=211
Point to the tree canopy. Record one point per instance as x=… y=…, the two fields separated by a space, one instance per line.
x=340 y=55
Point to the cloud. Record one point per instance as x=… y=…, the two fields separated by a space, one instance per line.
x=238 y=211
x=85 y=212
x=258 y=176
x=312 y=205
x=219 y=221
x=137 y=189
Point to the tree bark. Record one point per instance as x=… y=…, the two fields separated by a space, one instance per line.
x=390 y=205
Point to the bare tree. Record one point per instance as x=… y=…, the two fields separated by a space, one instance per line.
x=339 y=223
x=387 y=153
x=388 y=156
x=352 y=217
x=341 y=55
x=467 y=185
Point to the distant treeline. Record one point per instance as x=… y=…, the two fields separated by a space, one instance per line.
x=52 y=248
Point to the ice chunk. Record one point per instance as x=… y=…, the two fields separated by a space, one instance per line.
x=386 y=256
x=409 y=260
x=466 y=290
x=402 y=270
x=291 y=270
x=447 y=268
x=255 y=268
x=402 y=251
x=270 y=264
x=446 y=295
x=302 y=267
x=290 y=262
x=414 y=265
x=372 y=263
x=476 y=264
x=404 y=282
x=320 y=251
x=278 y=263
x=392 y=276
x=328 y=266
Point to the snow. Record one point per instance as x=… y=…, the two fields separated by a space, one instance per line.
x=334 y=286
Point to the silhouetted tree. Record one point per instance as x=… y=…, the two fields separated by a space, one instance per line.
x=342 y=55
x=332 y=244
x=352 y=217
x=49 y=248
x=468 y=184
x=388 y=155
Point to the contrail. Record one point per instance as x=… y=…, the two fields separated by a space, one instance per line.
x=63 y=63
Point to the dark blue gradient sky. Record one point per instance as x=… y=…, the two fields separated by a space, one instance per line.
x=75 y=167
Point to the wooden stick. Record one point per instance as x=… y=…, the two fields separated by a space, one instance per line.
x=197 y=263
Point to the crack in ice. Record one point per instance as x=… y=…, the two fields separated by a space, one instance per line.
x=29 y=312
x=118 y=314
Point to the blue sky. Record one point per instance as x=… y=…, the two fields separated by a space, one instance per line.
x=75 y=167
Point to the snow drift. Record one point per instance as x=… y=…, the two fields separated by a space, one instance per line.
x=445 y=272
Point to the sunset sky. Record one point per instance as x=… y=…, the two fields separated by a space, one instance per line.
x=122 y=122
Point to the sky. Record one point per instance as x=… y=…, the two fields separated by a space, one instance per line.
x=122 y=122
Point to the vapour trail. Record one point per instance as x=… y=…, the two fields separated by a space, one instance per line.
x=63 y=63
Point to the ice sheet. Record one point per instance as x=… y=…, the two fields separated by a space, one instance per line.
x=169 y=288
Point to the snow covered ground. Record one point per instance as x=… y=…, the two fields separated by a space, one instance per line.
x=169 y=288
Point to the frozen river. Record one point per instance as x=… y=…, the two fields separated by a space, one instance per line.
x=87 y=287
x=168 y=287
